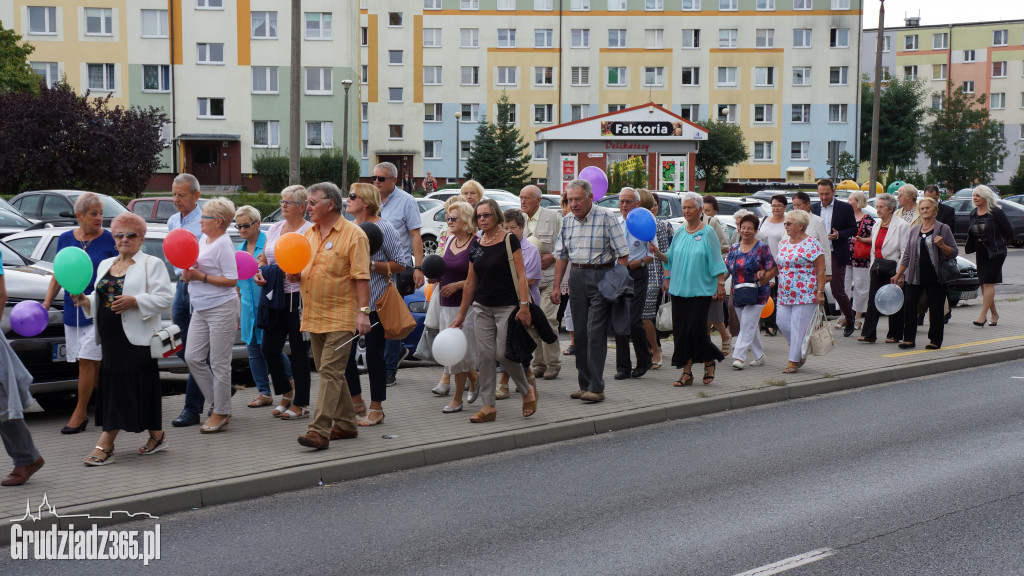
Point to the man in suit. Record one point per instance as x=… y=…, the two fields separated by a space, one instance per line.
x=544 y=225
x=841 y=225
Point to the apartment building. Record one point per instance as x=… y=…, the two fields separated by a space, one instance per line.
x=219 y=69
x=786 y=71
x=982 y=58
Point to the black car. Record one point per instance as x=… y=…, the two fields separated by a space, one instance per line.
x=964 y=206
x=60 y=205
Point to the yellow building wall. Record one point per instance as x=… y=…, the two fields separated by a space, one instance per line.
x=744 y=95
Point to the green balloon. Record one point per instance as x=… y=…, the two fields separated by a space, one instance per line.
x=73 y=269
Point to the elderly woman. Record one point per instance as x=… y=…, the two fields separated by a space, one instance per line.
x=696 y=282
x=247 y=221
x=447 y=229
x=443 y=386
x=131 y=292
x=78 y=332
x=716 y=313
x=857 y=277
x=801 y=263
x=215 y=312
x=888 y=241
x=988 y=233
x=462 y=234
x=657 y=282
x=495 y=295
x=907 y=195
x=364 y=204
x=752 y=266
x=515 y=223
x=473 y=192
x=284 y=318
x=929 y=243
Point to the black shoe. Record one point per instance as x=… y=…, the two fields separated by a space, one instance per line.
x=848 y=331
x=639 y=371
x=622 y=374
x=80 y=428
x=390 y=380
x=906 y=345
x=186 y=418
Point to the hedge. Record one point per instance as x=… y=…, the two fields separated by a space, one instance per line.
x=323 y=167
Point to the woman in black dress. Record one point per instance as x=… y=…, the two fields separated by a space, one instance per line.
x=988 y=233
x=132 y=290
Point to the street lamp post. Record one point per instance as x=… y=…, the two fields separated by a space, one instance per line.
x=458 y=146
x=346 y=83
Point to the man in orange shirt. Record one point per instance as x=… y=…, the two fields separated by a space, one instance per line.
x=335 y=288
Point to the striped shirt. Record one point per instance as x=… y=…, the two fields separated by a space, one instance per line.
x=597 y=239
x=328 y=283
x=391 y=250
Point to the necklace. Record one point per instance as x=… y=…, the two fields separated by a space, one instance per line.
x=492 y=239
x=468 y=240
x=85 y=245
x=688 y=231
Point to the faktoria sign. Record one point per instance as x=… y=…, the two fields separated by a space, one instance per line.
x=640 y=128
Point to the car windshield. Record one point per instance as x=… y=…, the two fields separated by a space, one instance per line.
x=111 y=207
x=9 y=219
x=10 y=257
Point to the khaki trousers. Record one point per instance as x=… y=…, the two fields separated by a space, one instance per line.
x=333 y=401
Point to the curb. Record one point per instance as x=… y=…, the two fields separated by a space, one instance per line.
x=298 y=478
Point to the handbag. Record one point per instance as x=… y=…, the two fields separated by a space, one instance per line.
x=394 y=315
x=819 y=340
x=948 y=270
x=513 y=350
x=163 y=343
x=744 y=294
x=884 y=268
x=995 y=253
x=664 y=321
x=861 y=250
x=406 y=283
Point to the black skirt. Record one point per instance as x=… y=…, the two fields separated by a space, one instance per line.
x=690 y=331
x=990 y=270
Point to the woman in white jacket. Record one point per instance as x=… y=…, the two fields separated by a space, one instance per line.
x=888 y=241
x=132 y=290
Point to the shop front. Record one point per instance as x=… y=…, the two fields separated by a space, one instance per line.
x=644 y=143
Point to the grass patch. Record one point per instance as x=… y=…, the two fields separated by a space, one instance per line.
x=703 y=395
x=830 y=375
x=775 y=382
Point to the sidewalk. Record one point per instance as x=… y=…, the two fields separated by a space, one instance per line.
x=258 y=455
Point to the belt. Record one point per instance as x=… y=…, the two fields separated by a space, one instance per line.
x=594 y=266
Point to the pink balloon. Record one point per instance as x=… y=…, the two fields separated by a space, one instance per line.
x=247 y=266
x=598 y=181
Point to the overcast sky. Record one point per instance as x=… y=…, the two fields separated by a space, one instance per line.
x=943 y=11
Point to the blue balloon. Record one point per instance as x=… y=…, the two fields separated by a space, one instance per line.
x=642 y=224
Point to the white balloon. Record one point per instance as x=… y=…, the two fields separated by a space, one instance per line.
x=889 y=299
x=449 y=347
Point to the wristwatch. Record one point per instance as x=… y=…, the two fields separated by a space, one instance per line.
x=365 y=310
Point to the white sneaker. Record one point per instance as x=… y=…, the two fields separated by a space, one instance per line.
x=758 y=361
x=441 y=389
x=738 y=364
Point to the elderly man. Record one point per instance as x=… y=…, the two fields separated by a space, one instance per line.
x=592 y=239
x=400 y=209
x=816 y=228
x=544 y=225
x=907 y=197
x=335 y=288
x=639 y=258
x=841 y=224
x=185 y=191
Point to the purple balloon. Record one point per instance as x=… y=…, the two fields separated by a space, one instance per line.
x=247 y=266
x=29 y=318
x=598 y=181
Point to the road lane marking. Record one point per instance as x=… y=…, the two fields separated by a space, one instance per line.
x=790 y=563
x=953 y=347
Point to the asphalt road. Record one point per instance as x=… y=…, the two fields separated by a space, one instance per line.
x=923 y=476
x=1013 y=272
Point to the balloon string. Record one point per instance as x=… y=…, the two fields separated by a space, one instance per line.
x=346 y=343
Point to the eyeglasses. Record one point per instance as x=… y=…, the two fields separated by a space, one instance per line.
x=244 y=226
x=211 y=217
x=128 y=235
x=451 y=219
x=787 y=223
x=290 y=203
x=352 y=196
x=379 y=178
x=624 y=201
x=484 y=215
x=312 y=202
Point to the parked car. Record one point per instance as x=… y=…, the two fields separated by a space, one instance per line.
x=499 y=195
x=1018 y=199
x=60 y=205
x=969 y=192
x=551 y=201
x=729 y=205
x=669 y=205
x=432 y=225
x=12 y=221
x=157 y=209
x=428 y=203
x=963 y=207
x=5 y=205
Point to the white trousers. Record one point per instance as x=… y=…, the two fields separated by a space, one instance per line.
x=793 y=322
x=750 y=333
x=857 y=282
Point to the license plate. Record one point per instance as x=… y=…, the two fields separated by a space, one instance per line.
x=60 y=352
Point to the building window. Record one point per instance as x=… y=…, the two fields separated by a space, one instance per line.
x=998 y=101
x=724 y=5
x=394 y=94
x=266 y=134
x=801 y=114
x=580 y=38
x=579 y=5
x=616 y=37
x=210 y=4
x=431 y=75
x=540 y=150
x=513 y=113
x=320 y=134
x=910 y=73
x=799 y=150
x=840 y=38
x=211 y=108
x=469 y=4
x=803 y=4
x=801 y=75
x=654 y=5
x=264 y=80
x=431 y=149
x=318 y=81
x=726 y=75
x=690 y=76
x=909 y=42
x=470 y=75
x=689 y=111
x=506 y=4
x=431 y=37
x=801 y=38
x=101 y=77
x=938 y=101
x=364 y=74
x=728 y=113
x=543 y=76
x=318 y=25
x=396 y=132
x=364 y=149
x=654 y=76
x=764 y=151
x=395 y=58
x=616 y=107
x=156 y=78
x=364 y=111
x=764 y=76
x=542 y=4
x=264 y=25
x=838 y=75
x=885 y=72
x=470 y=113
x=579 y=111
x=968 y=56
x=394 y=19
x=469 y=37
x=430 y=4
x=542 y=113
x=654 y=39
x=938 y=72
x=691 y=4
x=886 y=43
x=364 y=36
x=999 y=69
x=837 y=113
x=154 y=23
x=507 y=75
x=209 y=54
x=764 y=38
x=840 y=4
x=542 y=38
x=617 y=5
x=764 y=113
x=940 y=41
x=42 y=19
x=691 y=38
x=506 y=37
x=580 y=75
x=616 y=76
x=764 y=5
x=968 y=87
x=1000 y=37
x=432 y=112
x=727 y=38
x=48 y=71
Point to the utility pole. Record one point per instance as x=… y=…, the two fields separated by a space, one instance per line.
x=346 y=83
x=295 y=104
x=877 y=104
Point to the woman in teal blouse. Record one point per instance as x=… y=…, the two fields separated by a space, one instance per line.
x=694 y=262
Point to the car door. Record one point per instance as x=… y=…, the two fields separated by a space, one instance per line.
x=54 y=206
x=29 y=205
x=962 y=215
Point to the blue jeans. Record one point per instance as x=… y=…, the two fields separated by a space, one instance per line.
x=392 y=356
x=260 y=372
x=181 y=314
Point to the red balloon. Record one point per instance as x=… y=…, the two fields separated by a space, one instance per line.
x=181 y=248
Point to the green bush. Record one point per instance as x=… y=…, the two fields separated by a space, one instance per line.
x=323 y=167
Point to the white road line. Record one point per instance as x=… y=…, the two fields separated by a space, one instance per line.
x=1017 y=377
x=789 y=563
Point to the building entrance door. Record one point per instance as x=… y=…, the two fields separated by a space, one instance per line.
x=203 y=162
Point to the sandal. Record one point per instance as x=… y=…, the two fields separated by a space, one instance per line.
x=285 y=403
x=655 y=365
x=790 y=369
x=371 y=419
x=530 y=406
x=570 y=350
x=360 y=410
x=91 y=460
x=260 y=401
x=295 y=413
x=685 y=380
x=502 y=393
x=150 y=448
x=709 y=373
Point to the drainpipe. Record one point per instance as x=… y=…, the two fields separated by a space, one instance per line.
x=174 y=131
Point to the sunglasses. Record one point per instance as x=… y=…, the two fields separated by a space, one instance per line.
x=244 y=226
x=451 y=219
x=379 y=178
x=315 y=202
x=353 y=196
x=484 y=215
x=128 y=235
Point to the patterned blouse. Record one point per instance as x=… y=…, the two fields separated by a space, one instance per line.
x=797 y=280
x=744 y=266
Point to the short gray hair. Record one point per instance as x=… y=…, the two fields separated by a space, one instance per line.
x=189 y=179
x=296 y=191
x=392 y=170
x=86 y=201
x=697 y=199
x=331 y=191
x=991 y=200
x=249 y=211
x=515 y=215
x=582 y=185
x=636 y=195
x=887 y=199
x=533 y=189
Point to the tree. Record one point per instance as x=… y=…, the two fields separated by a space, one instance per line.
x=1017 y=181
x=964 y=143
x=900 y=116
x=499 y=157
x=724 y=148
x=15 y=73
x=847 y=166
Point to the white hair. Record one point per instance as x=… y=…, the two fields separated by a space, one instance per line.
x=697 y=199
x=991 y=199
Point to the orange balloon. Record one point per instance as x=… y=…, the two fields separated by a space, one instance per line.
x=769 y=307
x=292 y=252
x=428 y=291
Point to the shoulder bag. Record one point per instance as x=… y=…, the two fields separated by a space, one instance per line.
x=163 y=343
x=664 y=320
x=394 y=315
x=861 y=250
x=948 y=270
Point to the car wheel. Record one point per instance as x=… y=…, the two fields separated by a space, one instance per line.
x=429 y=245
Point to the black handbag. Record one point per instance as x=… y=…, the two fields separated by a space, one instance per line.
x=999 y=253
x=948 y=271
x=744 y=294
x=884 y=268
x=404 y=282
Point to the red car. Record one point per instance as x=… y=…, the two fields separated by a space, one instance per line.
x=156 y=208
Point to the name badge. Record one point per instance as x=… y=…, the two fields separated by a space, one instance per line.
x=698 y=237
x=329 y=245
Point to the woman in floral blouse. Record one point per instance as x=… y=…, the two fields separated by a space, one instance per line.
x=752 y=266
x=801 y=284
